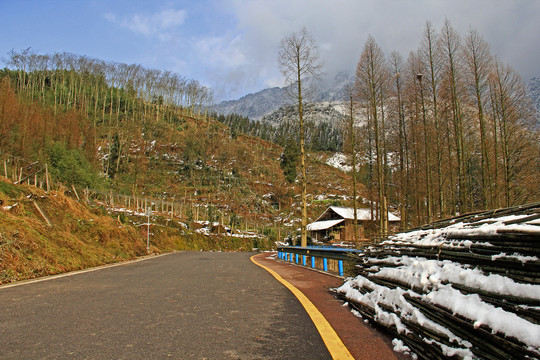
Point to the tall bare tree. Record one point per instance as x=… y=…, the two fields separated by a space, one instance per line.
x=450 y=46
x=427 y=151
x=478 y=63
x=416 y=196
x=372 y=81
x=514 y=119
x=299 y=63
x=396 y=63
x=430 y=56
x=350 y=146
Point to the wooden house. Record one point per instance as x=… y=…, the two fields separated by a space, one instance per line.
x=336 y=224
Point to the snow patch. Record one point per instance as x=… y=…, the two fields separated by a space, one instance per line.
x=340 y=162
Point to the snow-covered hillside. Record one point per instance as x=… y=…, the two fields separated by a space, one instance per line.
x=328 y=112
x=264 y=102
x=467 y=288
x=254 y=106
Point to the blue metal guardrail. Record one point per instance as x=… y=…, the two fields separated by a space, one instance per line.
x=326 y=253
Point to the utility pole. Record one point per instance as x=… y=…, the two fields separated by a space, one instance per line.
x=148 y=212
x=353 y=153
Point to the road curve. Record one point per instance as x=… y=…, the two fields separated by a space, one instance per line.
x=186 y=305
x=361 y=340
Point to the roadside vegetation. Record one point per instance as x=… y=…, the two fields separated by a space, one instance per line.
x=57 y=235
x=49 y=233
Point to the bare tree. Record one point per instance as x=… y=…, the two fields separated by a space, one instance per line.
x=412 y=139
x=396 y=63
x=350 y=145
x=478 y=63
x=432 y=64
x=299 y=62
x=450 y=46
x=372 y=81
x=514 y=119
x=427 y=151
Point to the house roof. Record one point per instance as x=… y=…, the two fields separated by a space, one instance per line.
x=361 y=214
x=323 y=225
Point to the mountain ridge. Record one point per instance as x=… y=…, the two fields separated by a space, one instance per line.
x=256 y=105
x=262 y=104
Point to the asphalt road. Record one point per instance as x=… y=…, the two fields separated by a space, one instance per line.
x=187 y=305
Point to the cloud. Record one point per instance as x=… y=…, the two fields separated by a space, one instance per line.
x=221 y=51
x=232 y=45
x=342 y=26
x=157 y=25
x=228 y=66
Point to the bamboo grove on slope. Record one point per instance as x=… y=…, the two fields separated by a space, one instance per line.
x=108 y=92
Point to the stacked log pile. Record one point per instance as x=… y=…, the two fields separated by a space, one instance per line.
x=468 y=287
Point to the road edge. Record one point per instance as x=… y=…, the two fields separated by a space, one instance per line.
x=82 y=271
x=331 y=339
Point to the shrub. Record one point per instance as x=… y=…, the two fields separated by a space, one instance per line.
x=71 y=167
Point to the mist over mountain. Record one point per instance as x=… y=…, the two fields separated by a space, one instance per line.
x=533 y=88
x=335 y=88
x=256 y=106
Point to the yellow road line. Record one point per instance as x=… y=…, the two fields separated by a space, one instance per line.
x=335 y=346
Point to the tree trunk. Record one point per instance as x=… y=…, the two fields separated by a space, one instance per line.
x=303 y=241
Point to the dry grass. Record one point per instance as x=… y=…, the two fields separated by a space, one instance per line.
x=78 y=237
x=82 y=236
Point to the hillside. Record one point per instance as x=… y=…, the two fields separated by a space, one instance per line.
x=45 y=233
x=113 y=128
x=203 y=165
x=207 y=188
x=58 y=234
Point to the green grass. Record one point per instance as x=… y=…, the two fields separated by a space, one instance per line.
x=10 y=190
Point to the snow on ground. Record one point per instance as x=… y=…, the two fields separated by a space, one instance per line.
x=469 y=289
x=9 y=207
x=204 y=227
x=343 y=161
x=340 y=162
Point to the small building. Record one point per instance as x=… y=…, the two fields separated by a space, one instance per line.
x=336 y=224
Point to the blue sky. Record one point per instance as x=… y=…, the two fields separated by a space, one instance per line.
x=231 y=46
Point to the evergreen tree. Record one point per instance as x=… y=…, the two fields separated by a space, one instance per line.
x=289 y=160
x=114 y=154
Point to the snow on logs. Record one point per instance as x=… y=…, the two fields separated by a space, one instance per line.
x=467 y=287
